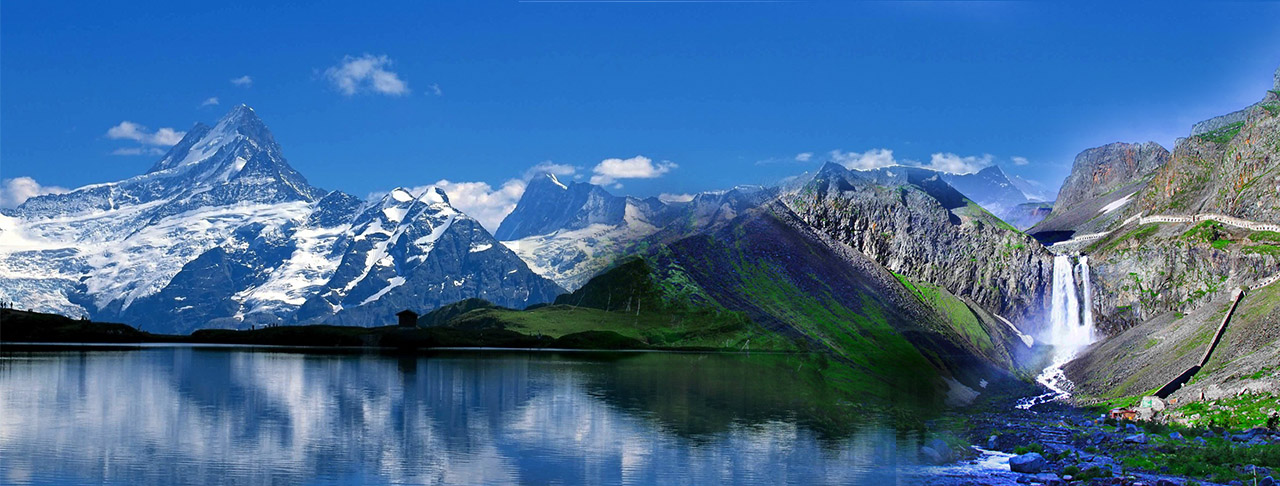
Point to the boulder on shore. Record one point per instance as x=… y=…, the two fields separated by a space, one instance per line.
x=1028 y=463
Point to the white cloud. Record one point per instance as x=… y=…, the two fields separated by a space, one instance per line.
x=609 y=171
x=549 y=167
x=209 y=102
x=881 y=157
x=486 y=204
x=804 y=156
x=127 y=130
x=670 y=198
x=243 y=81
x=1019 y=160
x=435 y=90
x=167 y=137
x=366 y=73
x=489 y=204
x=871 y=159
x=17 y=190
x=955 y=164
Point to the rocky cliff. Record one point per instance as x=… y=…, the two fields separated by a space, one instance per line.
x=1161 y=286
x=1143 y=271
x=915 y=224
x=1101 y=179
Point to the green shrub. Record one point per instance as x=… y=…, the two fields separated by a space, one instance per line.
x=1222 y=135
x=1093 y=472
x=1263 y=249
x=1207 y=231
x=1029 y=448
x=1265 y=236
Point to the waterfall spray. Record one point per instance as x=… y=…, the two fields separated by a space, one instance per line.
x=1067 y=332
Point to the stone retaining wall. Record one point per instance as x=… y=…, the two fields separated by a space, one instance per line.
x=1224 y=219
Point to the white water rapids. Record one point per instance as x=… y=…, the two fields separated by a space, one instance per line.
x=1068 y=332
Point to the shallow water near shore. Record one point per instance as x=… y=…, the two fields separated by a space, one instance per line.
x=190 y=415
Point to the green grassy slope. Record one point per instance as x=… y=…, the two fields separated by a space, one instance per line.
x=766 y=281
x=1145 y=357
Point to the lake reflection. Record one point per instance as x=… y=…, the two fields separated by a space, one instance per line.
x=172 y=415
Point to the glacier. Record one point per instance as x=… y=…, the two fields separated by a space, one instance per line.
x=223 y=232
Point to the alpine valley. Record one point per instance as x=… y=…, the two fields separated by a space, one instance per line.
x=913 y=281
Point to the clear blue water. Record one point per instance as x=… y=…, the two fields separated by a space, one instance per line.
x=184 y=415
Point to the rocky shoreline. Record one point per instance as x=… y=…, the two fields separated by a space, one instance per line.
x=1056 y=444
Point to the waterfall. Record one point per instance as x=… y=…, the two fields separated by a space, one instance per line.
x=1088 y=296
x=1067 y=332
x=1064 y=317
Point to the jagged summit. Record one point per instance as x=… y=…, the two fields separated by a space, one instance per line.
x=549 y=177
x=223 y=232
x=548 y=205
x=241 y=123
x=235 y=161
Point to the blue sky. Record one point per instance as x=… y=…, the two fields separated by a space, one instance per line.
x=710 y=94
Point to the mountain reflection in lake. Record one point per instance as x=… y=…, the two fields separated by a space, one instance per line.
x=172 y=415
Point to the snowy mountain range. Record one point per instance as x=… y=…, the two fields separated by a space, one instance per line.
x=571 y=232
x=222 y=232
x=993 y=189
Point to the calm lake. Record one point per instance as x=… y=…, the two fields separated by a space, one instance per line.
x=200 y=415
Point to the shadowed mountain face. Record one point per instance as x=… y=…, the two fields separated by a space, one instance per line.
x=996 y=192
x=223 y=232
x=990 y=188
x=773 y=267
x=548 y=205
x=915 y=224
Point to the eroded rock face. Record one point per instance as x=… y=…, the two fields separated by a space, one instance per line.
x=1138 y=280
x=919 y=226
x=1140 y=273
x=1100 y=170
x=1230 y=171
x=1101 y=182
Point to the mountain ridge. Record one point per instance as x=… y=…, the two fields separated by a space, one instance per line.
x=223 y=232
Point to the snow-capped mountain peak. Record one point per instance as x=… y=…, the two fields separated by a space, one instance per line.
x=202 y=141
x=222 y=231
x=548 y=205
x=434 y=195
